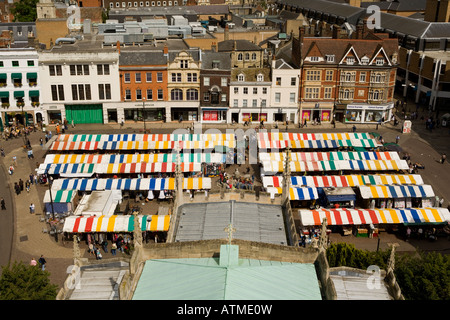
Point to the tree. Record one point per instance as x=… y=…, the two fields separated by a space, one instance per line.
x=23 y=282
x=24 y=11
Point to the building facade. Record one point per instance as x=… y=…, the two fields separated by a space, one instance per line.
x=79 y=84
x=20 y=87
x=214 y=86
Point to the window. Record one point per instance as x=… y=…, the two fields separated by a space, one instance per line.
x=235 y=103
x=362 y=77
x=254 y=103
x=148 y=77
x=206 y=96
x=241 y=78
x=255 y=90
x=117 y=4
x=253 y=56
x=364 y=60
x=176 y=77
x=15 y=63
x=330 y=58
x=376 y=95
x=223 y=97
x=348 y=76
x=1 y=64
x=259 y=78
x=57 y=92
x=223 y=82
x=55 y=70
x=314 y=59
x=327 y=92
x=292 y=97
x=191 y=77
x=245 y=90
x=346 y=94
x=137 y=77
x=244 y=103
x=176 y=94
x=277 y=97
x=184 y=64
x=350 y=60
x=149 y=94
x=312 y=93
x=30 y=63
x=127 y=94
x=206 y=81
x=264 y=90
x=159 y=77
x=239 y=57
x=138 y=94
x=104 y=91
x=263 y=103
x=236 y=90
x=127 y=77
x=329 y=75
x=192 y=94
x=81 y=92
x=247 y=56
x=160 y=94
x=379 y=61
x=102 y=69
x=293 y=81
x=123 y=5
x=377 y=77
x=313 y=75
x=215 y=64
x=278 y=81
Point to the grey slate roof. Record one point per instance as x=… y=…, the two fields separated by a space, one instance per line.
x=224 y=59
x=252 y=222
x=136 y=58
x=241 y=45
x=400 y=5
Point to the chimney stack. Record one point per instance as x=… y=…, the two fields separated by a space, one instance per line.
x=226 y=35
x=213 y=47
x=118 y=46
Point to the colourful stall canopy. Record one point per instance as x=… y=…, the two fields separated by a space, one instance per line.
x=60 y=196
x=115 y=223
x=394 y=191
x=329 y=156
x=376 y=216
x=297 y=193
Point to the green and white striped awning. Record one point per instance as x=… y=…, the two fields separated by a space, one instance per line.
x=64 y=196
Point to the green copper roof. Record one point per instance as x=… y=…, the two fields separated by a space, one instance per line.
x=206 y=279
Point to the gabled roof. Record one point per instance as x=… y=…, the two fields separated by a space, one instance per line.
x=281 y=64
x=208 y=57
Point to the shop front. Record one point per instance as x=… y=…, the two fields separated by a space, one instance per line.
x=209 y=114
x=185 y=114
x=366 y=113
x=317 y=112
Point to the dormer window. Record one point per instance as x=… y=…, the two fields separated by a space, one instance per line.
x=379 y=61
x=241 y=78
x=364 y=60
x=216 y=64
x=260 y=78
x=350 y=60
x=330 y=58
x=314 y=59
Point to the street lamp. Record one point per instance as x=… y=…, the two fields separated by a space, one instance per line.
x=143 y=112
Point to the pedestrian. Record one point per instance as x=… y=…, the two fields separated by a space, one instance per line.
x=33 y=262
x=31 y=178
x=41 y=141
x=15 y=160
x=113 y=248
x=98 y=254
x=3 y=152
x=354 y=128
x=397 y=139
x=27 y=185
x=11 y=169
x=42 y=262
x=441 y=202
x=16 y=188
x=46 y=138
x=21 y=184
x=408 y=233
x=443 y=157
x=32 y=208
x=105 y=246
x=3 y=204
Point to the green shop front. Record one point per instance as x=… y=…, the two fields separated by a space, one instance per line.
x=84 y=113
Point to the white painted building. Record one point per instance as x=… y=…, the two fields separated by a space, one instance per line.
x=284 y=92
x=19 y=85
x=80 y=82
x=249 y=96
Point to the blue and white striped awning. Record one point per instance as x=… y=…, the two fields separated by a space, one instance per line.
x=303 y=193
x=395 y=191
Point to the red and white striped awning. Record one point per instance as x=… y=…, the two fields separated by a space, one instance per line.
x=375 y=216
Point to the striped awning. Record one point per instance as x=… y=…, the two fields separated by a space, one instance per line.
x=376 y=216
x=329 y=156
x=145 y=137
x=394 y=191
x=130 y=184
x=195 y=157
x=297 y=193
x=115 y=223
x=345 y=181
x=64 y=196
x=313 y=136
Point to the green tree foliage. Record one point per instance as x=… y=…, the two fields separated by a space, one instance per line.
x=24 y=282
x=424 y=277
x=25 y=11
x=344 y=254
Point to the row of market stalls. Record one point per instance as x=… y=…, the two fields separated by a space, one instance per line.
x=93 y=173
x=349 y=179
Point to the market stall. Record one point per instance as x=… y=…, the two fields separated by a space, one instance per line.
x=332 y=197
x=60 y=202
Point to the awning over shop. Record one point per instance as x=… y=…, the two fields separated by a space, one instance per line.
x=59 y=196
x=394 y=191
x=376 y=216
x=297 y=193
x=345 y=181
x=115 y=223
